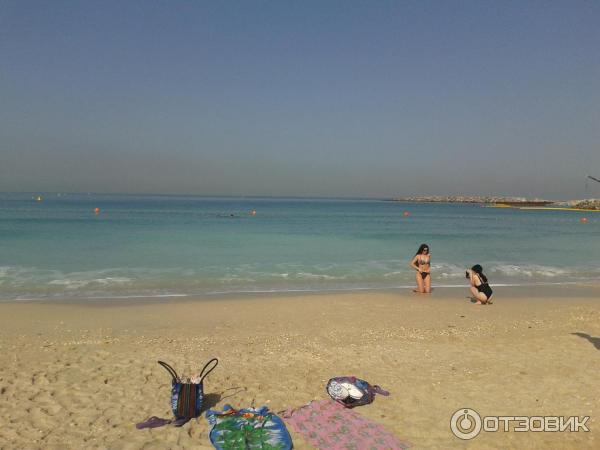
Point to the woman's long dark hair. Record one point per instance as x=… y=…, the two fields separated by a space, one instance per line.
x=421 y=248
x=479 y=271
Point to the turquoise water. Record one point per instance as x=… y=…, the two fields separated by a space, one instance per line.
x=169 y=245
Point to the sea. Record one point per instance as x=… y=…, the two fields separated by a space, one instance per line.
x=91 y=246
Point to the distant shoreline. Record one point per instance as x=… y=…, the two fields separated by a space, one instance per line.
x=509 y=202
x=496 y=201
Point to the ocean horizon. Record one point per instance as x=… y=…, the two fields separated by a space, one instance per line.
x=186 y=245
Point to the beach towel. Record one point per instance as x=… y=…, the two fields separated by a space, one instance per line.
x=328 y=425
x=249 y=428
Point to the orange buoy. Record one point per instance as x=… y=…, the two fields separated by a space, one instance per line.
x=406 y=214
x=96 y=211
x=583 y=220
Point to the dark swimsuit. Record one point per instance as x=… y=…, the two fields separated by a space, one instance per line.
x=485 y=288
x=420 y=263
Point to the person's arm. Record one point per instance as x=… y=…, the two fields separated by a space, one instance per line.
x=413 y=263
x=475 y=281
x=472 y=277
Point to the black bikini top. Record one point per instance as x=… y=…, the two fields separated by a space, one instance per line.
x=421 y=262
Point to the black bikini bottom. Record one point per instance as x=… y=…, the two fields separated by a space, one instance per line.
x=424 y=274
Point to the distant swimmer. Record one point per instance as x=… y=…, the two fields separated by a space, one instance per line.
x=96 y=211
x=253 y=212
x=421 y=262
x=481 y=290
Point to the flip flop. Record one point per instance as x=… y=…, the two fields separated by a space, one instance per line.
x=152 y=422
x=180 y=421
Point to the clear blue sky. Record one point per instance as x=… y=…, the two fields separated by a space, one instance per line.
x=369 y=98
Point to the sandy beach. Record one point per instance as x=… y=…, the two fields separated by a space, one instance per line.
x=80 y=375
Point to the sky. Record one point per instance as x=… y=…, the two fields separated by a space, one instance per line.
x=318 y=99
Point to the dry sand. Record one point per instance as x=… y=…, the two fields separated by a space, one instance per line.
x=80 y=375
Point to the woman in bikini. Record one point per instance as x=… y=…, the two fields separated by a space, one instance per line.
x=481 y=290
x=422 y=264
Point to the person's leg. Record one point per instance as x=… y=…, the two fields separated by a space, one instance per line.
x=419 y=283
x=474 y=292
x=479 y=296
x=427 y=284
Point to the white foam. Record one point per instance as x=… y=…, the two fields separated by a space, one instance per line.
x=33 y=282
x=318 y=276
x=530 y=271
x=73 y=283
x=392 y=274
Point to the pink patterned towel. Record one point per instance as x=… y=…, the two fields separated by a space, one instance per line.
x=329 y=425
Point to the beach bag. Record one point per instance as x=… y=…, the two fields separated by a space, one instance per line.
x=187 y=394
x=352 y=391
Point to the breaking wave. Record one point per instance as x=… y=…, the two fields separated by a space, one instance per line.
x=30 y=282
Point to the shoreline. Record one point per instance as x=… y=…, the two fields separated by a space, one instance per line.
x=535 y=289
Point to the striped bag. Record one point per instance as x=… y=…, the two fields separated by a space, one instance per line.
x=187 y=396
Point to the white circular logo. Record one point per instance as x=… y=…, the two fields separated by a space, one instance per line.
x=465 y=423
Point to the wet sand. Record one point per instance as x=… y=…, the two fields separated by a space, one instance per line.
x=80 y=375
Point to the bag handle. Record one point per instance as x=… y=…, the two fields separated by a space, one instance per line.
x=379 y=390
x=202 y=374
x=170 y=370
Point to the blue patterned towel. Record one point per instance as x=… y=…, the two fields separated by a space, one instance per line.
x=249 y=428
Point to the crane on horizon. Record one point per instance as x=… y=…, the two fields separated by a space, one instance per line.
x=593 y=178
x=586 y=183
